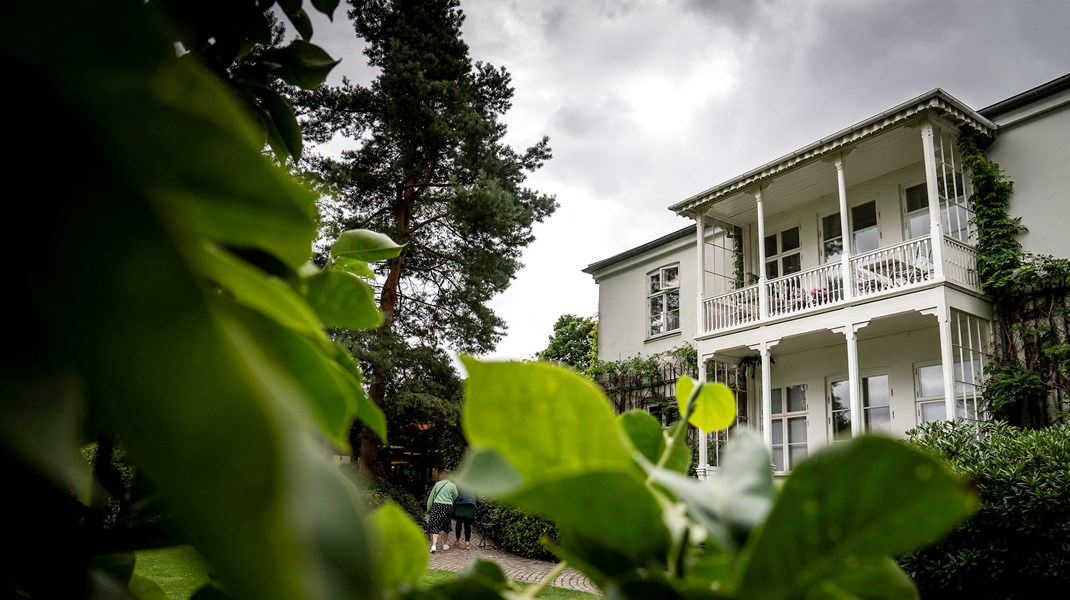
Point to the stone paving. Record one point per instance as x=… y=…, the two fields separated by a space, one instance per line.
x=527 y=570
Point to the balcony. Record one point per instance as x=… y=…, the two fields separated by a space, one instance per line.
x=889 y=271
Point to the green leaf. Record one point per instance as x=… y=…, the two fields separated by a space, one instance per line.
x=545 y=420
x=300 y=63
x=343 y=300
x=644 y=432
x=368 y=246
x=301 y=22
x=353 y=266
x=326 y=7
x=282 y=116
x=714 y=408
x=870 y=578
x=487 y=473
x=144 y=588
x=592 y=505
x=251 y=287
x=367 y=411
x=404 y=559
x=747 y=478
x=866 y=498
x=680 y=454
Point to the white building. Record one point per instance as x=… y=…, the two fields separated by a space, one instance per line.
x=845 y=272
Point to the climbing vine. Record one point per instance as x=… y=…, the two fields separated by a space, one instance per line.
x=1029 y=382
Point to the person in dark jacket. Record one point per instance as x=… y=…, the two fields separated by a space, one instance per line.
x=464 y=512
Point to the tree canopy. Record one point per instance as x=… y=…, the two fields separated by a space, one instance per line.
x=433 y=172
x=574 y=342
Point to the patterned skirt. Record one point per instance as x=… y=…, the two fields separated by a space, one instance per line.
x=439 y=519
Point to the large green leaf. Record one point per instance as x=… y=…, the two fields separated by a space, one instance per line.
x=300 y=63
x=487 y=473
x=366 y=410
x=714 y=408
x=250 y=286
x=343 y=300
x=285 y=121
x=353 y=266
x=593 y=504
x=746 y=475
x=405 y=557
x=368 y=246
x=867 y=498
x=649 y=438
x=545 y=420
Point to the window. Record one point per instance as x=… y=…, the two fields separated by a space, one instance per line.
x=663 y=300
x=832 y=238
x=733 y=376
x=876 y=407
x=930 y=393
x=969 y=338
x=916 y=211
x=789 y=426
x=783 y=255
x=956 y=213
x=864 y=233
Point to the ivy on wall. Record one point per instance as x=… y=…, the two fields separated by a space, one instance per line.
x=1029 y=382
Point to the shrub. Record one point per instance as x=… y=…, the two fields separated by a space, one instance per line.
x=518 y=532
x=1019 y=539
x=380 y=491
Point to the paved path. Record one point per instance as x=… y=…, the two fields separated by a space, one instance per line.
x=527 y=570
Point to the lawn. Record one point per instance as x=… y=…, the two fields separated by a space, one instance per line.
x=180 y=571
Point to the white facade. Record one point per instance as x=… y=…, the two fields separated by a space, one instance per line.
x=831 y=269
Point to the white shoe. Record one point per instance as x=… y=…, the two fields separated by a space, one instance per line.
x=433 y=548
x=445 y=546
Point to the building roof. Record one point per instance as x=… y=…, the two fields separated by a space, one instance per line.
x=1019 y=100
x=661 y=241
x=937 y=100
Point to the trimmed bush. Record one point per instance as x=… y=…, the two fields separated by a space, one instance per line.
x=1018 y=541
x=517 y=531
x=381 y=491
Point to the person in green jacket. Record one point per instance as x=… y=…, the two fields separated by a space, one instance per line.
x=440 y=511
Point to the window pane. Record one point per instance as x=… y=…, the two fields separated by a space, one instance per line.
x=775 y=400
x=672 y=276
x=833 y=250
x=657 y=305
x=789 y=240
x=866 y=240
x=672 y=300
x=864 y=216
x=672 y=319
x=830 y=226
x=917 y=225
x=875 y=391
x=841 y=426
x=878 y=419
x=656 y=325
x=778 y=432
x=841 y=417
x=796 y=454
x=771 y=246
x=792 y=264
x=778 y=459
x=931 y=381
x=796 y=398
x=841 y=394
x=797 y=430
x=655 y=283
x=933 y=411
x=771 y=270
x=917 y=197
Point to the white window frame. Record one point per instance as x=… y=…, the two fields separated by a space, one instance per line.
x=825 y=239
x=920 y=401
x=781 y=254
x=866 y=410
x=783 y=418
x=876 y=226
x=659 y=293
x=909 y=214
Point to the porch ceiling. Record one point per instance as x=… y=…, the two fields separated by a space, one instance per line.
x=879 y=155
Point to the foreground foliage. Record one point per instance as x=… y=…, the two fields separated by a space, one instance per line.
x=1018 y=541
x=170 y=303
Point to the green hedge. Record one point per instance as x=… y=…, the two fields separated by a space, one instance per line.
x=380 y=491
x=517 y=531
x=1019 y=539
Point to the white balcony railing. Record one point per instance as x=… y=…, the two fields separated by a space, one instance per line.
x=886 y=270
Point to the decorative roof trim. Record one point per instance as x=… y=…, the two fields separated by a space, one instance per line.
x=937 y=101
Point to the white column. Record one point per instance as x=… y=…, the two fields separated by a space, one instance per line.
x=700 y=313
x=702 y=468
x=936 y=228
x=947 y=358
x=854 y=379
x=845 y=232
x=763 y=350
x=763 y=293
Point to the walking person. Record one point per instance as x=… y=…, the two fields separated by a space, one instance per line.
x=464 y=512
x=440 y=511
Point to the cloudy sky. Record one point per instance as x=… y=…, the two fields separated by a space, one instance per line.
x=648 y=102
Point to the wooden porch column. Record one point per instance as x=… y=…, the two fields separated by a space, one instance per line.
x=763 y=292
x=936 y=228
x=700 y=245
x=854 y=379
x=702 y=469
x=767 y=390
x=845 y=232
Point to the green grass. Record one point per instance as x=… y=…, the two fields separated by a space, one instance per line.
x=180 y=571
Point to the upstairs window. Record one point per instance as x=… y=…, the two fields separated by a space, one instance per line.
x=663 y=300
x=864 y=233
x=916 y=211
x=783 y=254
